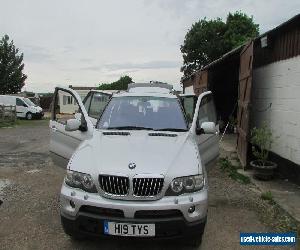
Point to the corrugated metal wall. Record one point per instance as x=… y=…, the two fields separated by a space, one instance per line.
x=283 y=43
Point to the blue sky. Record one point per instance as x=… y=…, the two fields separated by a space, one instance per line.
x=87 y=42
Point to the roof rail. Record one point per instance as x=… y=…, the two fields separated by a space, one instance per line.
x=151 y=85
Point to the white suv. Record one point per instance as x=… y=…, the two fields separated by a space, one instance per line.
x=141 y=170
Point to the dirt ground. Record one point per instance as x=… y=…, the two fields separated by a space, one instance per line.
x=30 y=185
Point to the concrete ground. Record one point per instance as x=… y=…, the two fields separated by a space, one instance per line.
x=31 y=184
x=284 y=193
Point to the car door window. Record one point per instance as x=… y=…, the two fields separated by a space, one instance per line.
x=189 y=103
x=98 y=104
x=207 y=111
x=87 y=101
x=66 y=107
x=19 y=102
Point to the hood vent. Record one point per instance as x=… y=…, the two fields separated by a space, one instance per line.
x=162 y=134
x=116 y=133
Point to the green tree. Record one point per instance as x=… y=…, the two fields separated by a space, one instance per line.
x=240 y=28
x=12 y=78
x=208 y=40
x=120 y=84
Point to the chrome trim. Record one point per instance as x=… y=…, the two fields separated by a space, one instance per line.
x=138 y=187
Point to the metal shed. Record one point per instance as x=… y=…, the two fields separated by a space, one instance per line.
x=231 y=76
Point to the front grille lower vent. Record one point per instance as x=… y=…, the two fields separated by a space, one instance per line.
x=116 y=133
x=114 y=185
x=157 y=214
x=147 y=187
x=108 y=212
x=162 y=134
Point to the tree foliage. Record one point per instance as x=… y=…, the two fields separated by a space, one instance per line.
x=12 y=78
x=120 y=84
x=207 y=40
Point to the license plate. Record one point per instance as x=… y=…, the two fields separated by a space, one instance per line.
x=129 y=229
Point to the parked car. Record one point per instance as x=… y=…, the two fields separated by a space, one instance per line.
x=141 y=171
x=24 y=107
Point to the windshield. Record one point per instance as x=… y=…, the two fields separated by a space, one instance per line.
x=143 y=112
x=28 y=102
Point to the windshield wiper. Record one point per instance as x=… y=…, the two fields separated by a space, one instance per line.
x=171 y=129
x=130 y=128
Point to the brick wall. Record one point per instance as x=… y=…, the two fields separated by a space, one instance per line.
x=276 y=100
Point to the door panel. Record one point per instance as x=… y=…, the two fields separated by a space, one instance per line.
x=205 y=111
x=67 y=105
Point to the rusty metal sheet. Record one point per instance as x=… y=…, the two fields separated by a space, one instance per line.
x=201 y=81
x=244 y=100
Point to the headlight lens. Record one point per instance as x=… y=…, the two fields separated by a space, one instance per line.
x=185 y=184
x=80 y=180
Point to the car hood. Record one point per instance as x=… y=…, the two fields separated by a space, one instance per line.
x=164 y=153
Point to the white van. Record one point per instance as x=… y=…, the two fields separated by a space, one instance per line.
x=24 y=107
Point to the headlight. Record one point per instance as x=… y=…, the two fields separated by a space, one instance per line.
x=80 y=180
x=185 y=184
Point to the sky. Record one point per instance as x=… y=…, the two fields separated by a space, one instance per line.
x=84 y=43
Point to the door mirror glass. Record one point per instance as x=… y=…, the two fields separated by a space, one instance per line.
x=72 y=125
x=208 y=128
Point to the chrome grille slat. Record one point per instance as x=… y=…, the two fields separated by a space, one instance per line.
x=114 y=185
x=141 y=186
x=147 y=187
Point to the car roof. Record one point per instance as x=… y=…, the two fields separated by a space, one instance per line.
x=108 y=92
x=148 y=89
x=154 y=94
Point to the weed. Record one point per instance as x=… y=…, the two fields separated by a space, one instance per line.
x=267 y=196
x=232 y=172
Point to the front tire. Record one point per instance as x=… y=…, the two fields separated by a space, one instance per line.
x=29 y=116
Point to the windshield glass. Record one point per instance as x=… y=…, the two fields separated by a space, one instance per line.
x=143 y=112
x=28 y=102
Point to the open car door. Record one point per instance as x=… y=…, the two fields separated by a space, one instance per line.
x=69 y=125
x=205 y=128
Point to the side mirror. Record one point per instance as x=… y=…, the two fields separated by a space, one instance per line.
x=207 y=128
x=72 y=125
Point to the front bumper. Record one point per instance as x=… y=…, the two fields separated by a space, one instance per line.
x=93 y=225
x=170 y=214
x=181 y=203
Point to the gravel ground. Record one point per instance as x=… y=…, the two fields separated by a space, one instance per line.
x=31 y=184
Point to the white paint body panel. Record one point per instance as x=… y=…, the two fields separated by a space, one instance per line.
x=278 y=85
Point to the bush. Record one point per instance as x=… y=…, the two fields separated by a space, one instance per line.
x=261 y=139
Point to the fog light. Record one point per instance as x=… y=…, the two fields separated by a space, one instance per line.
x=72 y=204
x=191 y=209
